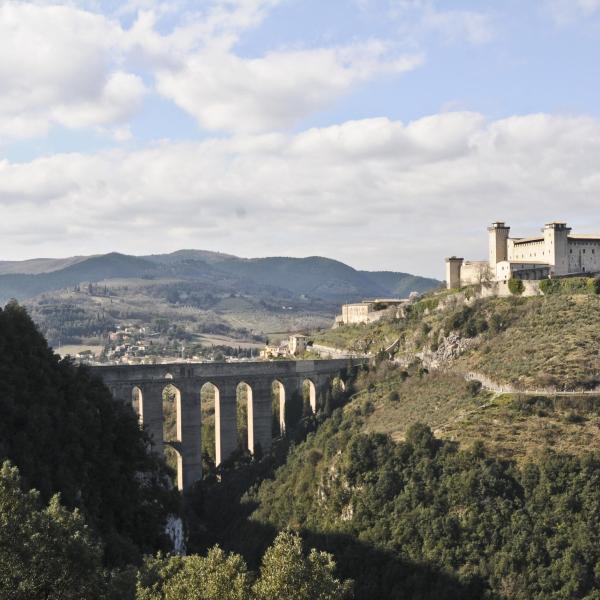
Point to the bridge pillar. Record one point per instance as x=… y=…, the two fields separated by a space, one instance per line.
x=151 y=415
x=190 y=437
x=225 y=421
x=260 y=416
x=322 y=386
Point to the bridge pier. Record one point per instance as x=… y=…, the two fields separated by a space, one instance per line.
x=225 y=420
x=151 y=414
x=189 y=434
x=260 y=416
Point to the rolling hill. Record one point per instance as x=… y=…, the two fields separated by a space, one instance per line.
x=315 y=276
x=78 y=300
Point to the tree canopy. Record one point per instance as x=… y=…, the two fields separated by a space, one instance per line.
x=66 y=434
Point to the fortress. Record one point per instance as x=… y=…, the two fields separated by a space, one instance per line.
x=555 y=253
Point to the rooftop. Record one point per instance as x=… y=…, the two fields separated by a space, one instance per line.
x=528 y=240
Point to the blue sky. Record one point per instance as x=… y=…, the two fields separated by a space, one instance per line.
x=298 y=127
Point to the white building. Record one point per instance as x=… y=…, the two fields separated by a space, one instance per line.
x=555 y=253
x=369 y=311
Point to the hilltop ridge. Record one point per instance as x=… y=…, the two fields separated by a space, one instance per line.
x=312 y=276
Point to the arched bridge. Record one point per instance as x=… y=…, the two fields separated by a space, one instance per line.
x=144 y=385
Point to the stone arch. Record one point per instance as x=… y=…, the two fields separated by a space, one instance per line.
x=279 y=400
x=137 y=401
x=337 y=383
x=309 y=394
x=210 y=408
x=175 y=449
x=172 y=427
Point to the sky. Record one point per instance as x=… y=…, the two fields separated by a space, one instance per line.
x=384 y=133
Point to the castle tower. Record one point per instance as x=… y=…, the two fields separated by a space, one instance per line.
x=453 y=268
x=498 y=244
x=556 y=247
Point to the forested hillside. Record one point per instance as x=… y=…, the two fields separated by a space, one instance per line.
x=66 y=435
x=83 y=504
x=428 y=485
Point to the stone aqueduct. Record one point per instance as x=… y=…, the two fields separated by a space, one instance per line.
x=148 y=382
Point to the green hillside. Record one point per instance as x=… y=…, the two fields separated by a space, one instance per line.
x=66 y=435
x=428 y=485
x=429 y=519
x=316 y=277
x=546 y=342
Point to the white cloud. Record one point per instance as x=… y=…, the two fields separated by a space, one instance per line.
x=375 y=192
x=197 y=67
x=66 y=63
x=227 y=92
x=475 y=28
x=59 y=66
x=454 y=25
x=568 y=11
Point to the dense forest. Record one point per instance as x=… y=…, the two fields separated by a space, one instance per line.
x=426 y=519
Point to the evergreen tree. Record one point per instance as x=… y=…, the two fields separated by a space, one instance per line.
x=46 y=552
x=287 y=573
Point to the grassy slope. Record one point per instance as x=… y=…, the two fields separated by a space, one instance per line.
x=533 y=343
x=553 y=343
x=512 y=426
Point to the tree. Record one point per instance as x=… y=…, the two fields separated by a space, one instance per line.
x=45 y=552
x=218 y=576
x=287 y=573
x=516 y=286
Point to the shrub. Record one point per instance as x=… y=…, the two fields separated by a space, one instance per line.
x=594 y=285
x=549 y=286
x=474 y=387
x=368 y=408
x=393 y=396
x=516 y=286
x=574 y=418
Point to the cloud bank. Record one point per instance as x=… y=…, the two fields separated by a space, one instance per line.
x=373 y=192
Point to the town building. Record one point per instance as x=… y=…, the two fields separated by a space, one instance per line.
x=295 y=345
x=556 y=252
x=369 y=311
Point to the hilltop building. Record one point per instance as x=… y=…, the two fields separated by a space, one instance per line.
x=555 y=253
x=369 y=311
x=296 y=345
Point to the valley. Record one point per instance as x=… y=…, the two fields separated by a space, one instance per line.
x=191 y=298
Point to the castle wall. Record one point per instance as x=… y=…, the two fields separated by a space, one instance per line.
x=528 y=251
x=584 y=256
x=474 y=272
x=361 y=312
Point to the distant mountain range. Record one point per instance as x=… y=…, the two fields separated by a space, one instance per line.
x=313 y=277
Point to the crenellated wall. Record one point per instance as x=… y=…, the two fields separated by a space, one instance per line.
x=149 y=382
